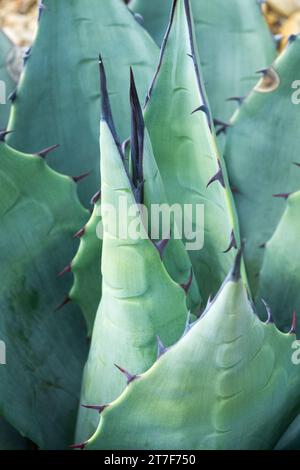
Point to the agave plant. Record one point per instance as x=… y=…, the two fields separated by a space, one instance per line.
x=183 y=348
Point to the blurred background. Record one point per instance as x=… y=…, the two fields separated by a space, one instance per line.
x=18 y=19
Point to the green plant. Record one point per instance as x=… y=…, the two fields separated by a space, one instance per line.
x=178 y=356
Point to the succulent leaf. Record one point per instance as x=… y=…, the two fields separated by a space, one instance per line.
x=185 y=149
x=262 y=147
x=139 y=299
x=40 y=384
x=233 y=42
x=216 y=388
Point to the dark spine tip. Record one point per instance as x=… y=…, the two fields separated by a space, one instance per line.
x=292 y=38
x=187 y=285
x=3 y=134
x=63 y=304
x=76 y=179
x=232 y=243
x=202 y=108
x=99 y=408
x=96 y=198
x=297 y=164
x=43 y=153
x=282 y=195
x=80 y=233
x=129 y=377
x=66 y=270
x=137 y=140
x=235 y=274
x=269 y=312
x=262 y=71
x=293 y=329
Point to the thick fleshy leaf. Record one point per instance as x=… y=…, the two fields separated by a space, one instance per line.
x=282 y=256
x=9 y=75
x=45 y=351
x=262 y=146
x=58 y=98
x=233 y=40
x=185 y=149
x=217 y=388
x=139 y=300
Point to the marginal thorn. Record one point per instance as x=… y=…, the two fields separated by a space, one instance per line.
x=187 y=285
x=190 y=55
x=282 y=195
x=161 y=349
x=293 y=329
x=96 y=198
x=263 y=71
x=222 y=126
x=78 y=446
x=217 y=177
x=297 y=164
x=161 y=246
x=3 y=134
x=43 y=153
x=202 y=108
x=99 y=408
x=269 y=312
x=234 y=190
x=76 y=179
x=63 y=304
x=130 y=377
x=232 y=243
x=80 y=233
x=66 y=270
x=262 y=246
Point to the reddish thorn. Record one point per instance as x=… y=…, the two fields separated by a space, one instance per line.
x=98 y=408
x=80 y=233
x=128 y=376
x=78 y=446
x=232 y=244
x=188 y=284
x=76 y=179
x=66 y=270
x=65 y=302
x=282 y=195
x=234 y=190
x=96 y=198
x=43 y=153
x=293 y=329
